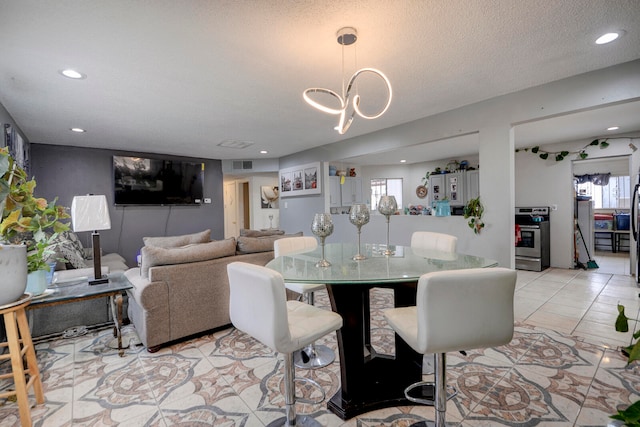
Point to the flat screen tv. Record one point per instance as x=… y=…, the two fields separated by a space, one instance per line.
x=142 y=181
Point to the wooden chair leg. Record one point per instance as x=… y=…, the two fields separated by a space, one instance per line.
x=17 y=367
x=32 y=361
x=21 y=348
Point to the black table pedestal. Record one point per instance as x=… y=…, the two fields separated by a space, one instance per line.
x=370 y=380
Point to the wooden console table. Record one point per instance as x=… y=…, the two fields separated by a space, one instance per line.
x=80 y=290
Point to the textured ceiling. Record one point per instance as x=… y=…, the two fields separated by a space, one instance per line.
x=179 y=77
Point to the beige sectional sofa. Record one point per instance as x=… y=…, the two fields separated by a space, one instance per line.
x=181 y=287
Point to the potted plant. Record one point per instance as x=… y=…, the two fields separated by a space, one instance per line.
x=630 y=416
x=28 y=220
x=474 y=211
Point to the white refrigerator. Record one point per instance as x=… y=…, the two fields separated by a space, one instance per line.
x=585 y=223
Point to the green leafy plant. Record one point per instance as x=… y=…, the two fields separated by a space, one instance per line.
x=631 y=415
x=561 y=155
x=26 y=218
x=473 y=211
x=425 y=179
x=622 y=325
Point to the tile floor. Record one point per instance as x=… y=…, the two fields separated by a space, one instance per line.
x=563 y=368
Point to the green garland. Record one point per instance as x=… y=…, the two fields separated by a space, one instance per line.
x=561 y=155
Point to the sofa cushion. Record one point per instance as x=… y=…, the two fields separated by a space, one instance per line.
x=259 y=233
x=155 y=255
x=249 y=245
x=177 y=241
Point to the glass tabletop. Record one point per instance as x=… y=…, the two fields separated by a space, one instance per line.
x=407 y=264
x=81 y=289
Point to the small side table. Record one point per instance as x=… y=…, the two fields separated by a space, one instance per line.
x=80 y=290
x=20 y=347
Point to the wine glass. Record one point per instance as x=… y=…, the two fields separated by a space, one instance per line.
x=271 y=222
x=359 y=216
x=387 y=206
x=322 y=226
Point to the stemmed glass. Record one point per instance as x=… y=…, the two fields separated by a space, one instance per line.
x=359 y=216
x=387 y=206
x=322 y=226
x=271 y=222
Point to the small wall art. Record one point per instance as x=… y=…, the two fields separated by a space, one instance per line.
x=300 y=180
x=269 y=197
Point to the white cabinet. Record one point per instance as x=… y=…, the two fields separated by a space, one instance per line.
x=346 y=194
x=473 y=184
x=351 y=191
x=436 y=187
x=457 y=187
x=335 y=198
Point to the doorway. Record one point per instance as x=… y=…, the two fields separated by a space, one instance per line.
x=602 y=212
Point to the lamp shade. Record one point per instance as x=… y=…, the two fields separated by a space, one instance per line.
x=90 y=213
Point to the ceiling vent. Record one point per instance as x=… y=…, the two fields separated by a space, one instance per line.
x=242 y=165
x=234 y=143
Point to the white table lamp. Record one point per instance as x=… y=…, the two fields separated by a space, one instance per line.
x=91 y=213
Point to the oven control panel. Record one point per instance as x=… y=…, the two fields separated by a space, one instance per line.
x=533 y=211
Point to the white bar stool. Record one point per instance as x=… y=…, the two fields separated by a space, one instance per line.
x=258 y=306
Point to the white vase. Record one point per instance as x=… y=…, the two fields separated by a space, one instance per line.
x=37 y=282
x=13 y=271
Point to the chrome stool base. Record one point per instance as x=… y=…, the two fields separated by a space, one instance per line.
x=313 y=356
x=301 y=420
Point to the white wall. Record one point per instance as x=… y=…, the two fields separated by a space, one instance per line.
x=494 y=120
x=411 y=174
x=259 y=215
x=548 y=182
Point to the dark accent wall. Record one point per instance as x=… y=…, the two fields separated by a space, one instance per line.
x=64 y=172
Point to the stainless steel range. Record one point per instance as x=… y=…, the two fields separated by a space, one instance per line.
x=532 y=238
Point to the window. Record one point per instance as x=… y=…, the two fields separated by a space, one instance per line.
x=388 y=186
x=614 y=195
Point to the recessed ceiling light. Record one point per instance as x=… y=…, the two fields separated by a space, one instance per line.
x=614 y=128
x=403 y=161
x=607 y=38
x=73 y=74
x=77 y=130
x=263 y=151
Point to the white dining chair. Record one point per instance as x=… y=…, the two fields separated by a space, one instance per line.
x=313 y=355
x=481 y=300
x=430 y=240
x=258 y=306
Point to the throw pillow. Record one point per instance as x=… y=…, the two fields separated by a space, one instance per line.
x=155 y=255
x=71 y=249
x=259 y=233
x=249 y=245
x=176 y=241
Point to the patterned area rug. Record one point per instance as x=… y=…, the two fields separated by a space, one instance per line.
x=542 y=378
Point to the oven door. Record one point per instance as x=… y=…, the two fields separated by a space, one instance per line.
x=530 y=243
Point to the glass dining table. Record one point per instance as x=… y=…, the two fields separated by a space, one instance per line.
x=370 y=380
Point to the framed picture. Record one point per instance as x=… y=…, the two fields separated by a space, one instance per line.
x=269 y=197
x=18 y=149
x=300 y=180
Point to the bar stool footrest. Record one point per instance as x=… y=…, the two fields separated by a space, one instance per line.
x=424 y=392
x=313 y=383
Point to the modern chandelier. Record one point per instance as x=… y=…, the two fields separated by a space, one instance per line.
x=349 y=103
